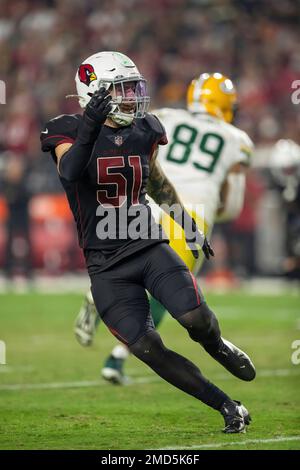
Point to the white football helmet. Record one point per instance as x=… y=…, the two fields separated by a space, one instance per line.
x=285 y=166
x=285 y=154
x=114 y=71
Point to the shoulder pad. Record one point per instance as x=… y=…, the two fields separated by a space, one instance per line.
x=245 y=147
x=59 y=130
x=245 y=140
x=154 y=123
x=157 y=128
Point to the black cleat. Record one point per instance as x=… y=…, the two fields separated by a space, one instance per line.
x=236 y=417
x=235 y=361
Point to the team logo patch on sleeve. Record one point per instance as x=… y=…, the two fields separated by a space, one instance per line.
x=86 y=74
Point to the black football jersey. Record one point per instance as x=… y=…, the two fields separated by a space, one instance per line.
x=109 y=202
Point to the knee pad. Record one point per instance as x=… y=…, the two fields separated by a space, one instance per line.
x=201 y=324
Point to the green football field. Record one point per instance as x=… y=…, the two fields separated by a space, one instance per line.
x=52 y=397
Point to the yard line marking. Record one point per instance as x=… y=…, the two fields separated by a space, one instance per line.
x=49 y=386
x=79 y=384
x=5 y=369
x=234 y=443
x=136 y=381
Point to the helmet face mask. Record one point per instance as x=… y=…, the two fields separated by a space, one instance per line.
x=129 y=100
x=118 y=74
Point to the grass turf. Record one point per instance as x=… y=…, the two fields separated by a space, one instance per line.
x=37 y=330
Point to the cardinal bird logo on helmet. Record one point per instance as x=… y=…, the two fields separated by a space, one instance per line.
x=86 y=74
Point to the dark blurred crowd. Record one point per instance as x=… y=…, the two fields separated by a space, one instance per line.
x=256 y=42
x=42 y=42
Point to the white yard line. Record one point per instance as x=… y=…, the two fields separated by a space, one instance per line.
x=233 y=443
x=4 y=369
x=79 y=384
x=52 y=385
x=136 y=381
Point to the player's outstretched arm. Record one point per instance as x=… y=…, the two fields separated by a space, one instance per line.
x=164 y=194
x=73 y=161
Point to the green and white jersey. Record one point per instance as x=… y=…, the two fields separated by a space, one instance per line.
x=200 y=152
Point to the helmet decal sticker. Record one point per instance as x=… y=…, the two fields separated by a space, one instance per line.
x=86 y=74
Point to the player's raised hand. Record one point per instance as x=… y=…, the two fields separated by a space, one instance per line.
x=94 y=116
x=99 y=106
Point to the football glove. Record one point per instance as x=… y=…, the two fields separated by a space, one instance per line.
x=74 y=162
x=99 y=106
x=195 y=237
x=94 y=117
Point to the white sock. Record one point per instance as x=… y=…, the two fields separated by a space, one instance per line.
x=120 y=352
x=90 y=297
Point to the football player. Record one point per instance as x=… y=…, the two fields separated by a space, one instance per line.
x=206 y=159
x=284 y=161
x=106 y=160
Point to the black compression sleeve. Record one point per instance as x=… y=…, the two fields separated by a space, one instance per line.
x=73 y=163
x=75 y=160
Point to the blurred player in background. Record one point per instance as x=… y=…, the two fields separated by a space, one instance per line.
x=206 y=160
x=17 y=192
x=285 y=168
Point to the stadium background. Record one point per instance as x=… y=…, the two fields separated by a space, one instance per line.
x=256 y=43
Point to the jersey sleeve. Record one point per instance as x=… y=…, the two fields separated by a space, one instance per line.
x=244 y=149
x=60 y=130
x=157 y=129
